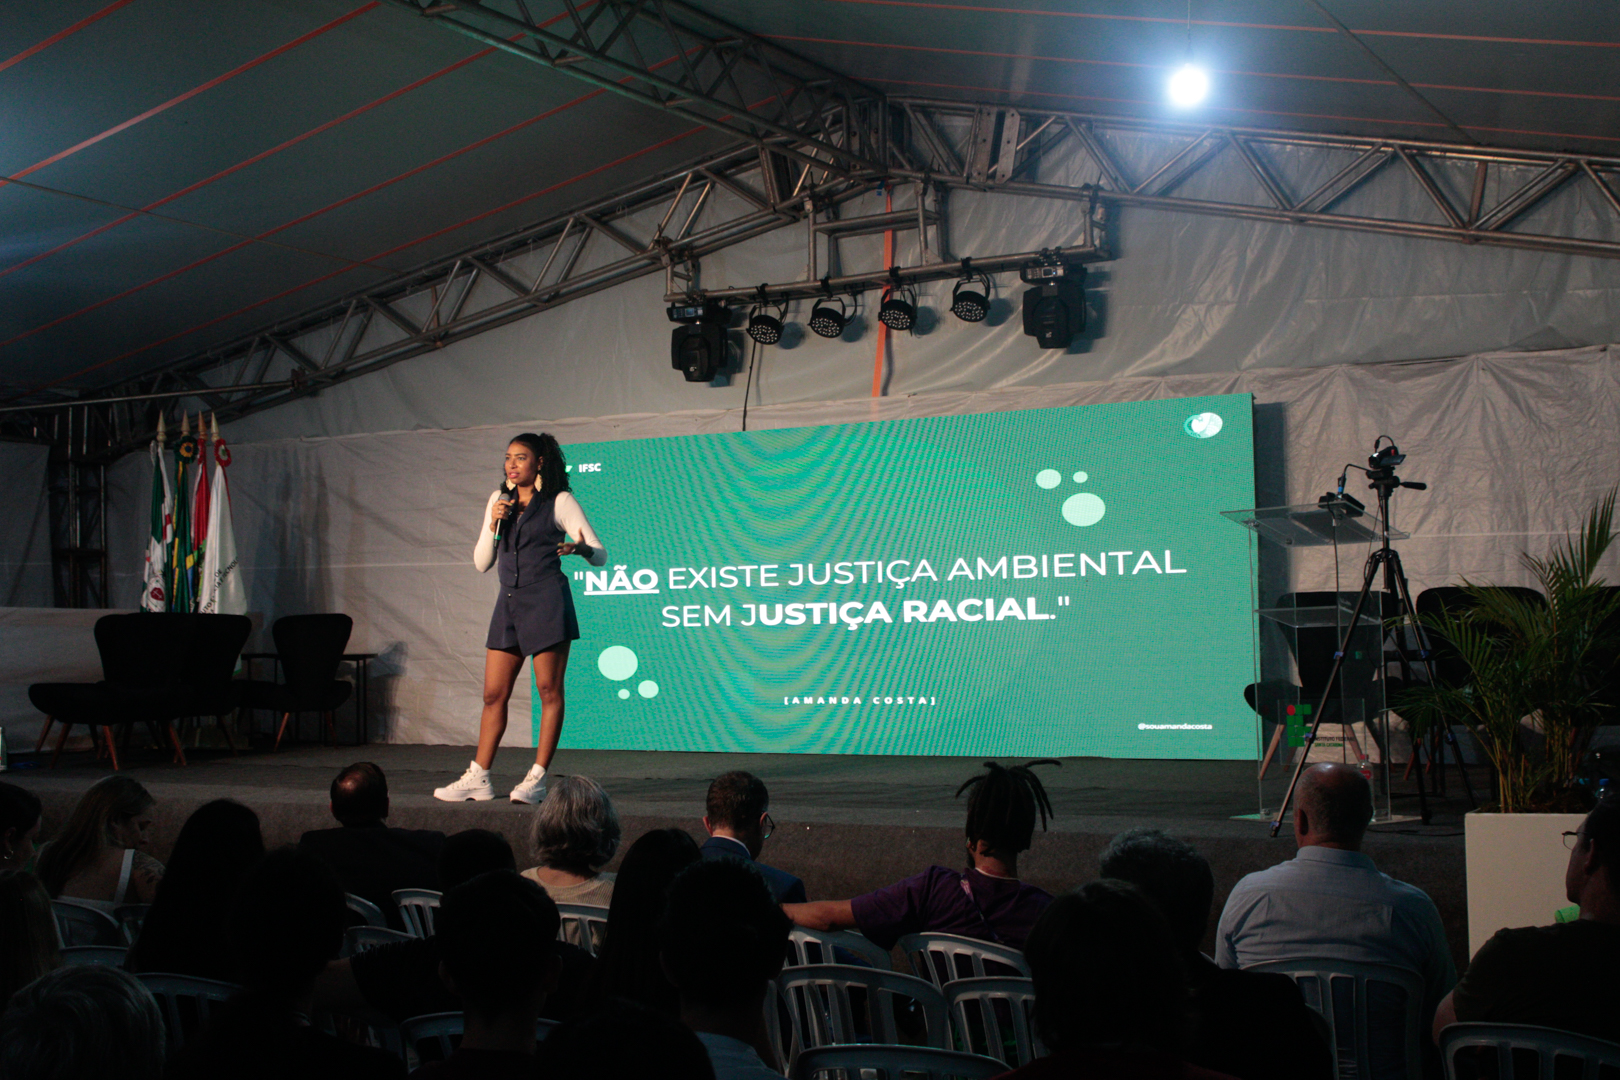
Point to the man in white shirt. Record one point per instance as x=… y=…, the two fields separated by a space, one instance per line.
x=721 y=940
x=1329 y=902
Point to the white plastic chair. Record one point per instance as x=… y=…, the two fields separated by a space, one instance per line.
x=416 y=908
x=186 y=1003
x=944 y=958
x=438 y=1034
x=105 y=955
x=1510 y=1044
x=1338 y=991
x=357 y=939
x=131 y=918
x=364 y=908
x=583 y=925
x=840 y=1004
x=994 y=1016
x=806 y=946
x=894 y=1063
x=79 y=924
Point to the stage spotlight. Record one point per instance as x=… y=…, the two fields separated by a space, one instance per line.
x=1188 y=86
x=827 y=320
x=697 y=348
x=762 y=327
x=1055 y=309
x=971 y=305
x=896 y=313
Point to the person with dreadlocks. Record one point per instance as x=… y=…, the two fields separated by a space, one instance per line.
x=525 y=534
x=985 y=901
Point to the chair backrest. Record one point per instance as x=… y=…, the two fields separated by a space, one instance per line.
x=995 y=1017
x=893 y=1063
x=435 y=1036
x=888 y=1008
x=357 y=939
x=186 y=1003
x=143 y=649
x=131 y=918
x=1525 y=1052
x=583 y=925
x=107 y=955
x=371 y=913
x=416 y=908
x=806 y=946
x=943 y=958
x=215 y=647
x=311 y=647
x=78 y=924
x=1374 y=1014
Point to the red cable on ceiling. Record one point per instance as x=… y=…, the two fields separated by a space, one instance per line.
x=69 y=32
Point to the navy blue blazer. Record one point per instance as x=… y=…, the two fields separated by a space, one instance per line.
x=785 y=888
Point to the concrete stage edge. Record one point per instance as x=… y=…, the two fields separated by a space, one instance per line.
x=845 y=824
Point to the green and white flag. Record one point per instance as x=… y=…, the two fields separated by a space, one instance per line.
x=219 y=588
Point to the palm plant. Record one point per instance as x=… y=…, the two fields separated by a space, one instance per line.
x=1545 y=663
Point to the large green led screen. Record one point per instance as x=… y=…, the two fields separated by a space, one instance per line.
x=1043 y=582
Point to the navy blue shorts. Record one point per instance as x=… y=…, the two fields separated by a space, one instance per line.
x=533 y=618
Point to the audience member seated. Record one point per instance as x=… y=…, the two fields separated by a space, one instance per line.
x=371 y=859
x=100 y=857
x=27 y=932
x=497 y=935
x=624 y=1041
x=575 y=833
x=19 y=826
x=1111 y=998
x=82 y=1021
x=186 y=931
x=627 y=966
x=1330 y=902
x=1559 y=976
x=287 y=920
x=1254 y=1025
x=394 y=982
x=739 y=823
x=722 y=939
x=985 y=901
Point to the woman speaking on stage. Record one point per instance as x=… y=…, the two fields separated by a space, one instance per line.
x=524 y=534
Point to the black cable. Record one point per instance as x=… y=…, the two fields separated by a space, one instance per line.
x=749 y=385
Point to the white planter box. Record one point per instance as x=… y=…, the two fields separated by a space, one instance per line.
x=1516 y=868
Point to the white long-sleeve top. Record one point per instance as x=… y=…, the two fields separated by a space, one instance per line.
x=570 y=517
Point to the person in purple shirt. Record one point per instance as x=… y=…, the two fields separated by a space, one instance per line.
x=985 y=901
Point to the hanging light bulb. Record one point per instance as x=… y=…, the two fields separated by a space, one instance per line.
x=1188 y=86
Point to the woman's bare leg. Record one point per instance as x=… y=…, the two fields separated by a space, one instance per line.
x=500 y=672
x=549 y=667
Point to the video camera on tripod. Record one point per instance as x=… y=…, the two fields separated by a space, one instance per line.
x=1380 y=471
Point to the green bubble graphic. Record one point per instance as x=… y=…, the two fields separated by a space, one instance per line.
x=1080 y=477
x=1048 y=478
x=624 y=695
x=648 y=689
x=1083 y=509
x=617 y=663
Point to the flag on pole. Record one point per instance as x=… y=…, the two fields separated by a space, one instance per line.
x=182 y=594
x=155 y=593
x=221 y=590
x=199 y=512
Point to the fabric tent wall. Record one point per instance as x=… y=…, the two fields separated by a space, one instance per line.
x=1515 y=448
x=25 y=537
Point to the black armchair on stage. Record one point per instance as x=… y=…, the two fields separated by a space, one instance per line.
x=156 y=668
x=309 y=647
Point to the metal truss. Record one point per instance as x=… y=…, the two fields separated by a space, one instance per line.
x=675 y=58
x=1462 y=194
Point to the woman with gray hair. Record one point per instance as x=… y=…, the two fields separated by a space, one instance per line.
x=575 y=833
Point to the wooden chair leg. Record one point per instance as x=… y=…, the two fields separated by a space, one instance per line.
x=280 y=731
x=67 y=726
x=44 y=731
x=230 y=738
x=174 y=737
x=112 y=749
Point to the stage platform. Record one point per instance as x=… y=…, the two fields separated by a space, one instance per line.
x=845 y=824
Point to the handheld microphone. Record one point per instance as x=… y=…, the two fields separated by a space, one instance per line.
x=508 y=495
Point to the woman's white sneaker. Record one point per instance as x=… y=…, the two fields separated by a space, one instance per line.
x=474 y=784
x=533 y=787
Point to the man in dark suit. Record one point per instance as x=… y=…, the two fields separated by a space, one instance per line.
x=739 y=823
x=369 y=858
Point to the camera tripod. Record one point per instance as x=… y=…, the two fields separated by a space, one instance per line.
x=1383 y=481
